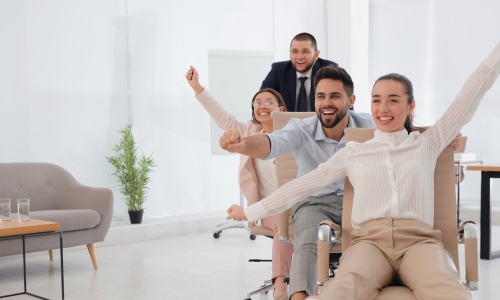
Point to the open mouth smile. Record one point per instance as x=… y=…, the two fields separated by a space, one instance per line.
x=328 y=112
x=385 y=120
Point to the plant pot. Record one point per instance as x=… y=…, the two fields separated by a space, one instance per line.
x=135 y=216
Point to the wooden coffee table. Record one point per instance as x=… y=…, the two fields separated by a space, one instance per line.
x=15 y=229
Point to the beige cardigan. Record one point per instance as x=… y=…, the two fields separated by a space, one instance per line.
x=247 y=174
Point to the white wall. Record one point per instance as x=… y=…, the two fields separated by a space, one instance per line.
x=64 y=88
x=295 y=16
x=167 y=37
x=438 y=44
x=62 y=84
x=348 y=30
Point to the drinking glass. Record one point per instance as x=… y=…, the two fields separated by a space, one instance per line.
x=4 y=210
x=23 y=210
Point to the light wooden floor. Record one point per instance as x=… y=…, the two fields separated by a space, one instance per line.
x=187 y=267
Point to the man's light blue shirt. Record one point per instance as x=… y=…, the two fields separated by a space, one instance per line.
x=311 y=147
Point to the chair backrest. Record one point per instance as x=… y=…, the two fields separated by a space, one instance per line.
x=286 y=168
x=445 y=208
x=44 y=183
x=461 y=149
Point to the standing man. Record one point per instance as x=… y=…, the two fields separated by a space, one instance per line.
x=313 y=141
x=293 y=78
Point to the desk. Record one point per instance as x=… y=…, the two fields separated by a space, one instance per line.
x=15 y=229
x=487 y=172
x=459 y=164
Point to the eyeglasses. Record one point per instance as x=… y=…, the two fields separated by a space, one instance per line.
x=266 y=103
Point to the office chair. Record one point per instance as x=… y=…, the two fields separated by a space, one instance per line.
x=268 y=285
x=252 y=228
x=227 y=225
x=286 y=170
x=232 y=224
x=461 y=149
x=444 y=220
x=459 y=168
x=459 y=178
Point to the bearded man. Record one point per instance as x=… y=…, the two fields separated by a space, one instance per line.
x=313 y=141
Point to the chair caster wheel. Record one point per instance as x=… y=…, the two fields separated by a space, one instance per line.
x=216 y=235
x=252 y=237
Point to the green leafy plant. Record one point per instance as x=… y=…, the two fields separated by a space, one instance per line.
x=132 y=173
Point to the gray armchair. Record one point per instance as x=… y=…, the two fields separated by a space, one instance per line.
x=84 y=213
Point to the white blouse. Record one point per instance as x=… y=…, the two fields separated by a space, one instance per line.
x=393 y=173
x=266 y=174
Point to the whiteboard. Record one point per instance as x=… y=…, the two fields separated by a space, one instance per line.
x=234 y=78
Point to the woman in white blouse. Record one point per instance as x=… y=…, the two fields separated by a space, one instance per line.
x=393 y=207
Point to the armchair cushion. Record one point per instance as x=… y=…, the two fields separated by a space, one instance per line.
x=70 y=219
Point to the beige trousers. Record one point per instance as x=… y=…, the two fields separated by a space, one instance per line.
x=396 y=252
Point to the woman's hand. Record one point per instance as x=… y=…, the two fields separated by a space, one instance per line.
x=235 y=212
x=193 y=80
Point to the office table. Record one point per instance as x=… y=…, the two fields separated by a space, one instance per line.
x=487 y=173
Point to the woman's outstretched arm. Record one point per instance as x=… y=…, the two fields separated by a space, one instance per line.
x=294 y=191
x=466 y=102
x=222 y=118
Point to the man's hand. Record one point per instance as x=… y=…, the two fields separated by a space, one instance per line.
x=256 y=146
x=231 y=141
x=235 y=212
x=193 y=80
x=457 y=142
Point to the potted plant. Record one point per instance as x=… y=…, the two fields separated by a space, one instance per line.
x=132 y=173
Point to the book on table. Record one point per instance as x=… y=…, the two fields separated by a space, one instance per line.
x=465 y=156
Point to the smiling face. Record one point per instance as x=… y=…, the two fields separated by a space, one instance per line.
x=390 y=105
x=303 y=55
x=262 y=113
x=332 y=102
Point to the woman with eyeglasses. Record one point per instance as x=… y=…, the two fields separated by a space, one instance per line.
x=257 y=178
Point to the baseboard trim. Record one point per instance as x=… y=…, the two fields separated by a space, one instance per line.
x=122 y=232
x=168 y=226
x=473 y=212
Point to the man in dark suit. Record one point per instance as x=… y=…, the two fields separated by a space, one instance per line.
x=288 y=77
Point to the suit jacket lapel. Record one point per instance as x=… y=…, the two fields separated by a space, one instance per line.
x=292 y=87
x=312 y=92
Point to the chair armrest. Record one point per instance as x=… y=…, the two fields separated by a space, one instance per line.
x=323 y=262
x=78 y=196
x=329 y=233
x=334 y=226
x=471 y=254
x=259 y=230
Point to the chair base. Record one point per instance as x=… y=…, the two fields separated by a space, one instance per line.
x=473 y=285
x=264 y=289
x=226 y=225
